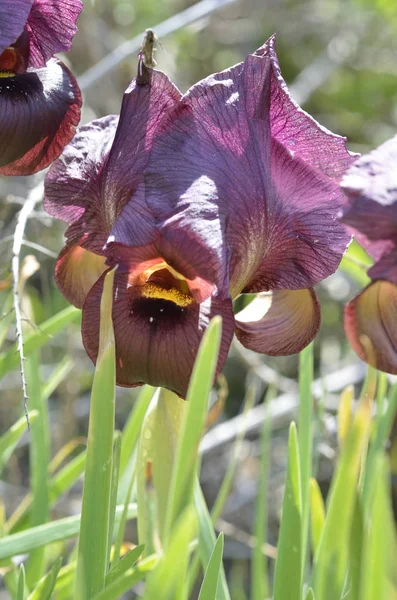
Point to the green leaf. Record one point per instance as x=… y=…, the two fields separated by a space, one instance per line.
x=127 y=561
x=44 y=588
x=10 y=439
x=377 y=546
x=331 y=560
x=39 y=458
x=21 y=584
x=55 y=531
x=260 y=584
x=155 y=464
x=60 y=373
x=95 y=514
x=355 y=552
x=288 y=569
x=10 y=360
x=167 y=581
x=127 y=580
x=113 y=488
x=209 y=586
x=187 y=457
x=305 y=435
x=133 y=425
x=207 y=539
x=310 y=594
x=317 y=514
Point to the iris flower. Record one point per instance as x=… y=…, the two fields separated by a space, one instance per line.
x=371 y=212
x=226 y=190
x=39 y=98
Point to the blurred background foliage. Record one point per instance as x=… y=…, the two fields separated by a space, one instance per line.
x=339 y=58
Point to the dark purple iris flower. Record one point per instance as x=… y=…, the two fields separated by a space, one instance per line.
x=39 y=98
x=371 y=188
x=228 y=189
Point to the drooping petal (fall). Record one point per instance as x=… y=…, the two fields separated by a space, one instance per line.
x=51 y=26
x=156 y=340
x=373 y=313
x=371 y=188
x=39 y=112
x=76 y=271
x=215 y=181
x=279 y=323
x=13 y=16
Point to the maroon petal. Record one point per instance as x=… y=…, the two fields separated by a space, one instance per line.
x=279 y=323
x=373 y=313
x=98 y=172
x=51 y=26
x=73 y=183
x=371 y=188
x=215 y=181
x=39 y=111
x=156 y=340
x=76 y=271
x=13 y=16
x=304 y=242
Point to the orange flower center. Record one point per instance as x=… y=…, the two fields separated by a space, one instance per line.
x=162 y=282
x=8 y=61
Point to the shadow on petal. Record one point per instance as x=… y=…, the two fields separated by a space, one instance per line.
x=279 y=323
x=373 y=313
x=156 y=340
x=76 y=272
x=38 y=115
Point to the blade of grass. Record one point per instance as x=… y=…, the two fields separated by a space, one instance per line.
x=21 y=584
x=187 y=457
x=122 y=524
x=377 y=543
x=209 y=587
x=207 y=540
x=9 y=360
x=39 y=458
x=55 y=531
x=113 y=488
x=305 y=437
x=331 y=560
x=383 y=424
x=260 y=584
x=355 y=552
x=95 y=514
x=45 y=587
x=167 y=581
x=60 y=373
x=133 y=425
x=127 y=580
x=289 y=549
x=317 y=514
x=124 y=564
x=10 y=439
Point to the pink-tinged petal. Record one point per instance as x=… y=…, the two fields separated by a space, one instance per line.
x=98 y=172
x=51 y=26
x=304 y=241
x=385 y=267
x=39 y=111
x=215 y=181
x=279 y=323
x=156 y=340
x=297 y=131
x=373 y=313
x=76 y=271
x=371 y=189
x=13 y=16
x=73 y=184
